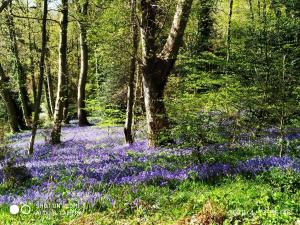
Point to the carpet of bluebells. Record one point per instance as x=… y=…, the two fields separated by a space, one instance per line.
x=93 y=156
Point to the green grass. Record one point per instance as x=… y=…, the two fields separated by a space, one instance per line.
x=248 y=200
x=270 y=198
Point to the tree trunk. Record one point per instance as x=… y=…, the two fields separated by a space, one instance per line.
x=131 y=81
x=15 y=114
x=229 y=29
x=205 y=26
x=50 y=113
x=157 y=67
x=139 y=91
x=258 y=8
x=31 y=57
x=41 y=77
x=62 y=76
x=31 y=70
x=265 y=32
x=82 y=113
x=66 y=116
x=26 y=107
x=157 y=119
x=4 y=5
x=251 y=10
x=49 y=92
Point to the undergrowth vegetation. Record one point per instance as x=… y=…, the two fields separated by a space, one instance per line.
x=98 y=180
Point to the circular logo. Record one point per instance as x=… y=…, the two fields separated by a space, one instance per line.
x=25 y=209
x=14 y=209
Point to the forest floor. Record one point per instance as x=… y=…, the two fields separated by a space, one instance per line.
x=94 y=178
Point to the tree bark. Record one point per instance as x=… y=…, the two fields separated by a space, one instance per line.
x=4 y=5
x=48 y=85
x=31 y=57
x=49 y=92
x=157 y=67
x=251 y=10
x=139 y=91
x=229 y=29
x=49 y=110
x=84 y=65
x=31 y=70
x=15 y=114
x=41 y=77
x=26 y=106
x=131 y=81
x=62 y=76
x=66 y=116
x=258 y=8
x=205 y=26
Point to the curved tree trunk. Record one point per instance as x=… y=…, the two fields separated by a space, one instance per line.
x=15 y=114
x=131 y=81
x=62 y=76
x=84 y=65
x=26 y=106
x=156 y=68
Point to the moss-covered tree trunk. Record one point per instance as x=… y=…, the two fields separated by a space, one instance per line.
x=84 y=65
x=24 y=96
x=156 y=66
x=15 y=114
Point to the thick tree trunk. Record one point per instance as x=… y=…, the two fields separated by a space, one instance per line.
x=84 y=65
x=41 y=77
x=26 y=106
x=62 y=76
x=229 y=29
x=157 y=120
x=157 y=67
x=15 y=114
x=131 y=81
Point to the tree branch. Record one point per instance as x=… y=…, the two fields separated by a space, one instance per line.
x=4 y=5
x=174 y=41
x=35 y=18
